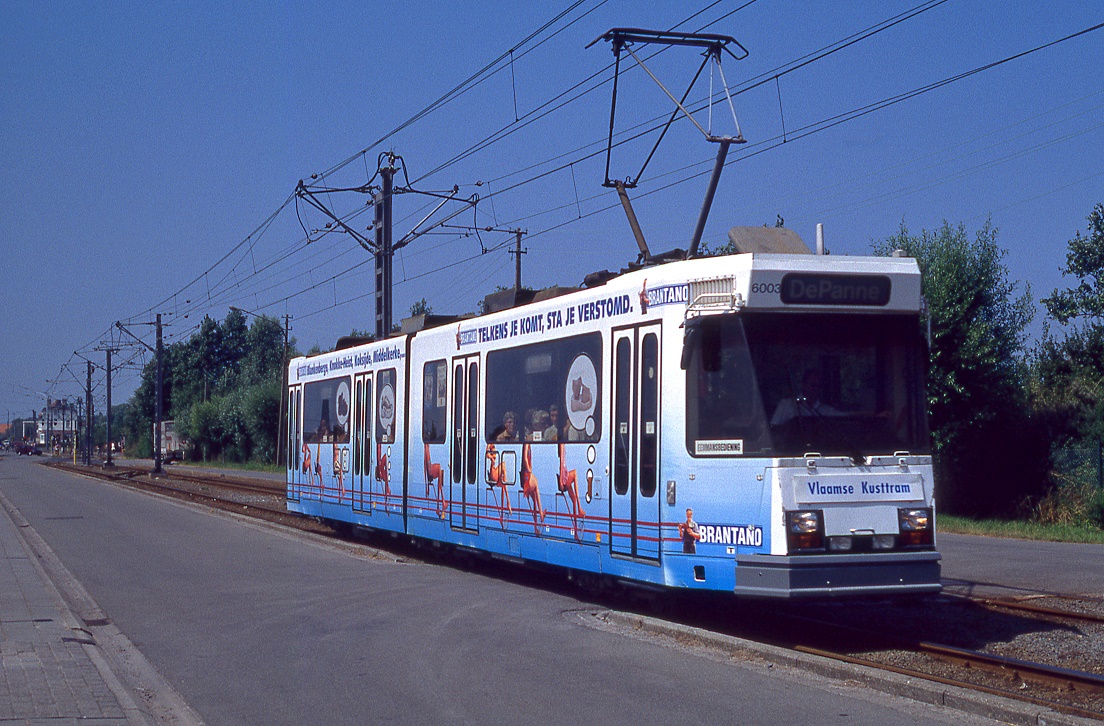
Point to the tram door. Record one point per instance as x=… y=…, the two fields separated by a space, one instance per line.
x=464 y=444
x=362 y=443
x=634 y=484
x=294 y=444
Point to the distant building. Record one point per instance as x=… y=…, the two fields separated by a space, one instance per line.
x=60 y=421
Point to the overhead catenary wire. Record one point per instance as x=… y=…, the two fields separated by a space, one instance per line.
x=225 y=290
x=457 y=90
x=766 y=145
x=266 y=265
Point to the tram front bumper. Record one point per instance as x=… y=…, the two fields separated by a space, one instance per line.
x=888 y=573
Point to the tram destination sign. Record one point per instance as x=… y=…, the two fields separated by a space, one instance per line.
x=803 y=288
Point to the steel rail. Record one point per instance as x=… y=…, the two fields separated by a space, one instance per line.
x=1021 y=671
x=130 y=475
x=1043 y=702
x=1050 y=612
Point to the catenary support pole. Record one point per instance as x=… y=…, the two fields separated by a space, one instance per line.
x=88 y=417
x=157 y=412
x=109 y=463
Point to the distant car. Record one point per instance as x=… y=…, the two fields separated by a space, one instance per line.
x=28 y=449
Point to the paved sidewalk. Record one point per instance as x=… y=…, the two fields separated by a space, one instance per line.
x=51 y=670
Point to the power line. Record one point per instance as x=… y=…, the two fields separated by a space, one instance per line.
x=465 y=85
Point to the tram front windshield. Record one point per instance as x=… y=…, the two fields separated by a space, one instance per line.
x=788 y=384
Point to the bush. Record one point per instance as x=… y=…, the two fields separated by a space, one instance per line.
x=1096 y=509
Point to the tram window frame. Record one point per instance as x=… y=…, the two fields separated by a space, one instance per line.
x=518 y=380
x=882 y=352
x=312 y=410
x=382 y=378
x=435 y=376
x=702 y=361
x=649 y=395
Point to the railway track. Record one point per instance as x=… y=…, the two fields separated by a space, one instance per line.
x=1017 y=673
x=1050 y=614
x=215 y=493
x=1068 y=690
x=129 y=472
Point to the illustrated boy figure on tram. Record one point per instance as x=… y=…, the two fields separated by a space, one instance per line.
x=690 y=533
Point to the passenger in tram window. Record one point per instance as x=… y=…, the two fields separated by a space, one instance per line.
x=690 y=533
x=552 y=433
x=807 y=401
x=538 y=424
x=509 y=428
x=323 y=432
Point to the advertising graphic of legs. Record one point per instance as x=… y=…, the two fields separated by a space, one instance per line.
x=433 y=471
x=383 y=469
x=339 y=473
x=318 y=469
x=569 y=485
x=497 y=477
x=308 y=470
x=529 y=486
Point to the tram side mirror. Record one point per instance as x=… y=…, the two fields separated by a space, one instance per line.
x=703 y=336
x=690 y=336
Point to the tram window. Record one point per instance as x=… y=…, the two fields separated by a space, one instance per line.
x=434 y=401
x=386 y=406
x=553 y=389
x=457 y=422
x=473 y=407
x=364 y=426
x=782 y=384
x=649 y=415
x=723 y=410
x=622 y=411
x=859 y=386
x=358 y=439
x=291 y=444
x=326 y=407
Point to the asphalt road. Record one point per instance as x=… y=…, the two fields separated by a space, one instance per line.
x=994 y=566
x=253 y=625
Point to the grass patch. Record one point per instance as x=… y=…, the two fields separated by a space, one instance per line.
x=236 y=466
x=1063 y=532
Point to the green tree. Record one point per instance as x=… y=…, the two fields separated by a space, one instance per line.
x=1085 y=261
x=212 y=383
x=203 y=356
x=232 y=348
x=264 y=358
x=977 y=405
x=203 y=428
x=1068 y=385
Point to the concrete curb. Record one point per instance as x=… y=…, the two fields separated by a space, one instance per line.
x=931 y=692
x=122 y=666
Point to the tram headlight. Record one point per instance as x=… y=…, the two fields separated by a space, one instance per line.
x=805 y=530
x=917 y=526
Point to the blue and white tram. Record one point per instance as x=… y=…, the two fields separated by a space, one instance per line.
x=753 y=424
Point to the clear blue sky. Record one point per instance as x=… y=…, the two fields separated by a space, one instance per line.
x=140 y=143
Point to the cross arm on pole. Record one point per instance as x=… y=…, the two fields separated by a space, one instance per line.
x=308 y=195
x=123 y=328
